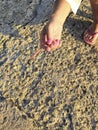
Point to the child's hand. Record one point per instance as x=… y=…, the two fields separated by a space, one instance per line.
x=50 y=36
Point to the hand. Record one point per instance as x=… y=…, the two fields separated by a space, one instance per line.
x=50 y=36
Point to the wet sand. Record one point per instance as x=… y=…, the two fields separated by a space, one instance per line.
x=57 y=90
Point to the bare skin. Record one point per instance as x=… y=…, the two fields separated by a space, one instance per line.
x=91 y=34
x=94 y=5
x=51 y=33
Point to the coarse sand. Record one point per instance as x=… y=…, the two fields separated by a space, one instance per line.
x=54 y=91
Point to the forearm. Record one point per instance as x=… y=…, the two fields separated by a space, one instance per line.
x=61 y=10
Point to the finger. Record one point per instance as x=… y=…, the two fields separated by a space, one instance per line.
x=55 y=44
x=49 y=41
x=43 y=38
x=59 y=44
x=48 y=49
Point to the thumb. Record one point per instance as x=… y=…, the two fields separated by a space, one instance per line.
x=49 y=41
x=49 y=36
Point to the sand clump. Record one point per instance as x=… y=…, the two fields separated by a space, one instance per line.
x=57 y=90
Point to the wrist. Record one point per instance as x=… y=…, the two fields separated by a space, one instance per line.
x=57 y=18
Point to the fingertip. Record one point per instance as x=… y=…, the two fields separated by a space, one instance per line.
x=49 y=41
x=48 y=49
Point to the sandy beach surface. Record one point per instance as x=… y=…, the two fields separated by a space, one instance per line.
x=54 y=91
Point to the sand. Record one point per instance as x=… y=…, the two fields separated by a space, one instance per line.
x=55 y=91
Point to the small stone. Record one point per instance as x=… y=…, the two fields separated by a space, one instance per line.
x=77 y=58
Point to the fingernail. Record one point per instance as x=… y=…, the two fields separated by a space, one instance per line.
x=49 y=41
